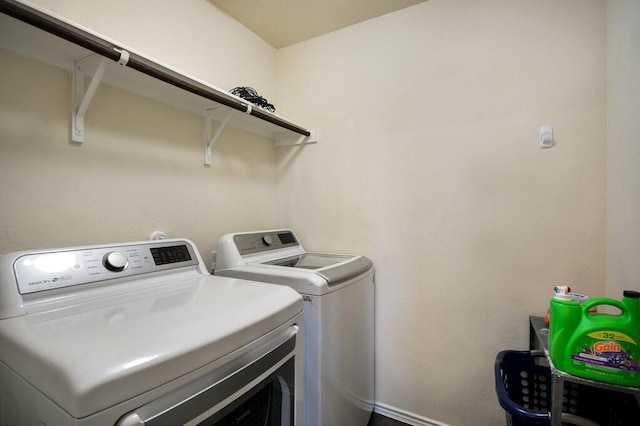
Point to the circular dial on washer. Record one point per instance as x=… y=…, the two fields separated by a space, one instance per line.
x=267 y=240
x=115 y=261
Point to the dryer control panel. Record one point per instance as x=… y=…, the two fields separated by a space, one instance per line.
x=47 y=270
x=264 y=241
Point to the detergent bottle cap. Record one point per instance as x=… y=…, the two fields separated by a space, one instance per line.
x=562 y=292
x=632 y=294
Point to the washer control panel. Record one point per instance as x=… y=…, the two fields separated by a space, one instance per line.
x=47 y=270
x=263 y=241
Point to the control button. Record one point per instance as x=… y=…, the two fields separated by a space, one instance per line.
x=115 y=261
x=267 y=240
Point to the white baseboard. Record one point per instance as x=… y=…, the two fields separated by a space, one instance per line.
x=405 y=416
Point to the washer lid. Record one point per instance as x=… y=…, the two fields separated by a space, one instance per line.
x=336 y=269
x=94 y=355
x=310 y=260
x=305 y=279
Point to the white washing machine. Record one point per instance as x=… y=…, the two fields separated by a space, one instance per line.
x=338 y=294
x=141 y=334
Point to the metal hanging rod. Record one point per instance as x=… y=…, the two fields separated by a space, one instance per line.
x=102 y=47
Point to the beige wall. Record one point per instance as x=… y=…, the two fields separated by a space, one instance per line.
x=623 y=146
x=192 y=35
x=428 y=163
x=141 y=166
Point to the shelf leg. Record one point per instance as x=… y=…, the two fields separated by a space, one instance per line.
x=557 y=393
x=210 y=140
x=81 y=98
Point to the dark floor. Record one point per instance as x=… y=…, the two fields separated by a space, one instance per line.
x=378 y=420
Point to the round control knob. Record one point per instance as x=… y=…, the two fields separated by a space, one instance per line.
x=267 y=240
x=115 y=261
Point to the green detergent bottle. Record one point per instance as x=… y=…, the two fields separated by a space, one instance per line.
x=597 y=346
x=565 y=310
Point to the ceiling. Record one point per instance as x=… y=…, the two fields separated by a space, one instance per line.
x=285 y=22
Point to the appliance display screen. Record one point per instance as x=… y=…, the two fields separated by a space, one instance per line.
x=173 y=254
x=286 y=238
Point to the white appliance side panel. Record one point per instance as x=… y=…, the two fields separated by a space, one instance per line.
x=22 y=404
x=339 y=381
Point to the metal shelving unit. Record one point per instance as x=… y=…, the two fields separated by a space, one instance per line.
x=538 y=333
x=33 y=32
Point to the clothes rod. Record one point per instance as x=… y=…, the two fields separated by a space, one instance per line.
x=47 y=23
x=97 y=45
x=257 y=112
x=137 y=63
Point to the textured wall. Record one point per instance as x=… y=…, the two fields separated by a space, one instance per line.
x=623 y=147
x=428 y=163
x=141 y=166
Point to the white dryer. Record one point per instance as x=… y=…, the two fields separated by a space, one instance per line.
x=141 y=334
x=338 y=294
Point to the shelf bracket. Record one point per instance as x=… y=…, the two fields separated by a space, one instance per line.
x=81 y=97
x=210 y=140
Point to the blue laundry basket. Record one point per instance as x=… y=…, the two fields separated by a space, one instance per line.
x=523 y=388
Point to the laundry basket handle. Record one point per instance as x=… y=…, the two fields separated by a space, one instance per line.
x=530 y=416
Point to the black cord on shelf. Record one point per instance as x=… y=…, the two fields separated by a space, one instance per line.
x=249 y=94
